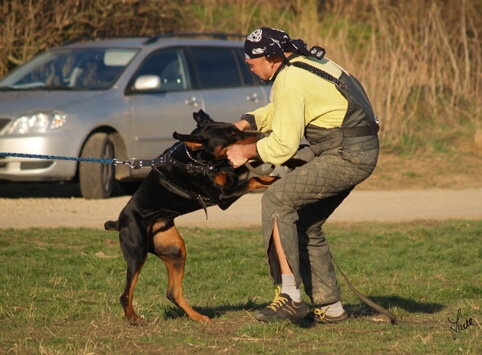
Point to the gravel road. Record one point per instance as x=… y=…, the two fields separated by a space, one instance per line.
x=360 y=206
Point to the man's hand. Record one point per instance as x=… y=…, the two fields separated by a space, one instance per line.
x=239 y=154
x=242 y=125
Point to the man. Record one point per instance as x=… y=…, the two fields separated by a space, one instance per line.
x=312 y=97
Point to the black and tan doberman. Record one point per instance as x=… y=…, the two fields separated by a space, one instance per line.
x=192 y=174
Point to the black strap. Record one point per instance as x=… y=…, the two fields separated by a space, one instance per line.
x=145 y=163
x=348 y=132
x=365 y=299
x=193 y=168
x=199 y=198
x=360 y=131
x=340 y=84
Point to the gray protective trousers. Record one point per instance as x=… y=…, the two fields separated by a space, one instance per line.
x=301 y=202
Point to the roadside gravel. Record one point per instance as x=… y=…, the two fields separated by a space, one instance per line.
x=360 y=206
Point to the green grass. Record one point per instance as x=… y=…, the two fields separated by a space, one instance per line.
x=60 y=291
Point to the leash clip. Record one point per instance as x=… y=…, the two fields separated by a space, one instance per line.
x=131 y=163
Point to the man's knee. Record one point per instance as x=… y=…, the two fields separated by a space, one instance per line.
x=271 y=206
x=269 y=198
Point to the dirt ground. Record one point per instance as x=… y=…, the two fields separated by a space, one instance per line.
x=458 y=171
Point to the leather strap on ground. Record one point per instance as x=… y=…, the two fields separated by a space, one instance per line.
x=365 y=299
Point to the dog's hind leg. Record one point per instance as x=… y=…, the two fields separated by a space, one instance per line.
x=169 y=246
x=135 y=254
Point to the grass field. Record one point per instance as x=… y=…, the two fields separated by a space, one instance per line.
x=60 y=291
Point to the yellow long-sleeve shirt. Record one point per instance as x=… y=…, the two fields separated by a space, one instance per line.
x=298 y=98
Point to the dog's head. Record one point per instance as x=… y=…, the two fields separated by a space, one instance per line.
x=212 y=138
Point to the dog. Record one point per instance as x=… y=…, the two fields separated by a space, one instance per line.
x=193 y=174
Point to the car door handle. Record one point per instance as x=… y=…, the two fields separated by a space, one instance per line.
x=252 y=97
x=193 y=101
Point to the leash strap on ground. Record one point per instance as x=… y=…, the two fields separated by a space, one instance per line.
x=365 y=299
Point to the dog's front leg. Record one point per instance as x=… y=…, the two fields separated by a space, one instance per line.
x=258 y=182
x=169 y=246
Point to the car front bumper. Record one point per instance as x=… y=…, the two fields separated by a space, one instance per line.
x=27 y=169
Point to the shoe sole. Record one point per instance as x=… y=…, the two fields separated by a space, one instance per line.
x=332 y=320
x=262 y=318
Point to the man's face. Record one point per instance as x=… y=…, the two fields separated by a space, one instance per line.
x=262 y=67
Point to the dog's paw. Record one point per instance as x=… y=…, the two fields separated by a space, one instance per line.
x=138 y=321
x=201 y=319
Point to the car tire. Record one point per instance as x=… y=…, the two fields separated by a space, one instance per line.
x=97 y=179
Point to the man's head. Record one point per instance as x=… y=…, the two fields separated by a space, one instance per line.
x=267 y=42
x=265 y=49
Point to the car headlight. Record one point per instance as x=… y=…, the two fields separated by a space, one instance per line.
x=38 y=122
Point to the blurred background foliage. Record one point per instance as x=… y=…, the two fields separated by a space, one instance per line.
x=420 y=60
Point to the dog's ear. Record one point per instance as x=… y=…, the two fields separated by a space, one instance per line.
x=187 y=137
x=194 y=145
x=202 y=118
x=194 y=142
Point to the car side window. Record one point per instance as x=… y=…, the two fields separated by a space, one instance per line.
x=216 y=67
x=168 y=65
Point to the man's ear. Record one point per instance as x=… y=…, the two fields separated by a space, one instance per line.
x=274 y=60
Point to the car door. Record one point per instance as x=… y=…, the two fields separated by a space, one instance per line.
x=227 y=86
x=159 y=112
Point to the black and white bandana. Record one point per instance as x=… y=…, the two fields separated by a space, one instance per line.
x=271 y=42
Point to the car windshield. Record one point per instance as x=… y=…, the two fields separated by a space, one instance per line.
x=70 y=69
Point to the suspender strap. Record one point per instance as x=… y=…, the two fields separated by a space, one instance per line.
x=369 y=129
x=319 y=72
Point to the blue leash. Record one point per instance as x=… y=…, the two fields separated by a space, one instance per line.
x=115 y=162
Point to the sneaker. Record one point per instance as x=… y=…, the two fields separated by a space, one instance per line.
x=322 y=317
x=282 y=307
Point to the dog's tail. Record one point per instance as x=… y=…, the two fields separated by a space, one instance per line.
x=111 y=226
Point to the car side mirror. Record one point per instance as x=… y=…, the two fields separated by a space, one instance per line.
x=147 y=83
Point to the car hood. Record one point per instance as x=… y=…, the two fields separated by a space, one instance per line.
x=16 y=103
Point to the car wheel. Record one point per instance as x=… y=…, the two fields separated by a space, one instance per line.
x=96 y=179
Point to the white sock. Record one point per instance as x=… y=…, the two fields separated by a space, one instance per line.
x=289 y=287
x=334 y=309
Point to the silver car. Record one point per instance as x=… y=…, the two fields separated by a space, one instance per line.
x=117 y=98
